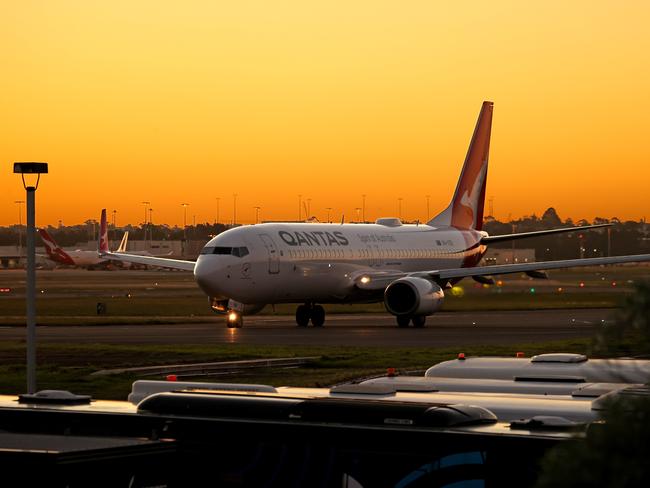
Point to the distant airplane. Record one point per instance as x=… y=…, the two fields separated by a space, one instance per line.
x=124 y=244
x=408 y=267
x=79 y=257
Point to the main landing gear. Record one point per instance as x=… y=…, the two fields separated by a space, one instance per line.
x=417 y=320
x=309 y=311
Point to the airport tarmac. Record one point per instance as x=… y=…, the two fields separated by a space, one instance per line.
x=445 y=329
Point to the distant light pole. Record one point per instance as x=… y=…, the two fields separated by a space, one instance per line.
x=363 y=207
x=150 y=227
x=358 y=209
x=185 y=205
x=217 y=220
x=144 y=224
x=20 y=227
x=257 y=214
x=234 y=209
x=399 y=207
x=23 y=169
x=329 y=209
x=308 y=208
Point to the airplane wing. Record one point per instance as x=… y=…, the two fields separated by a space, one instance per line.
x=524 y=235
x=150 y=261
x=374 y=280
x=104 y=252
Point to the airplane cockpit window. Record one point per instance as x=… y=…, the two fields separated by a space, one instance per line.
x=240 y=252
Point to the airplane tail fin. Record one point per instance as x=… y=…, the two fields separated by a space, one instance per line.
x=48 y=241
x=125 y=240
x=466 y=208
x=103 y=233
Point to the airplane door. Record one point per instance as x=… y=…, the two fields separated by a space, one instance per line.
x=274 y=257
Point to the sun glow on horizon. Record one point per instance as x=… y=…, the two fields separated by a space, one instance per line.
x=188 y=102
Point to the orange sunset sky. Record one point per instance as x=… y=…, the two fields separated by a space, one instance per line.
x=173 y=102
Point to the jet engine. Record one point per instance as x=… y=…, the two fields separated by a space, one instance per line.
x=413 y=296
x=225 y=305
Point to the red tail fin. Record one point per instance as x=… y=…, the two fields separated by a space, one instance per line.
x=50 y=244
x=466 y=208
x=103 y=233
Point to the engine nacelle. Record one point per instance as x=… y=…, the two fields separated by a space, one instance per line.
x=413 y=296
x=225 y=305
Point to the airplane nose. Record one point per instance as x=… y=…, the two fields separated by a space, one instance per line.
x=205 y=274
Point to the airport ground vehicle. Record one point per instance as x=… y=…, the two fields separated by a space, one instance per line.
x=391 y=431
x=408 y=267
x=228 y=438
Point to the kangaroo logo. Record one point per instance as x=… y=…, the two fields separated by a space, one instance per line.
x=470 y=200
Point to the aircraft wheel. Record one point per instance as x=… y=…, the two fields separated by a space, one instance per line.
x=317 y=316
x=419 y=321
x=403 y=321
x=234 y=320
x=302 y=315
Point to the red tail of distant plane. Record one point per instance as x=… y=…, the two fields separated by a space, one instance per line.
x=466 y=208
x=54 y=252
x=103 y=233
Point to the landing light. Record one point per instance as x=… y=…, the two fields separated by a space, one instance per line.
x=232 y=317
x=365 y=280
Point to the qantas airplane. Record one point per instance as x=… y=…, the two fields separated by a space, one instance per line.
x=408 y=267
x=79 y=257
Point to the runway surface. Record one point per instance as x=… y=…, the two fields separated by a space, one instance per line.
x=445 y=329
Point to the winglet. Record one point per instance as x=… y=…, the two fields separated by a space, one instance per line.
x=123 y=244
x=466 y=208
x=103 y=234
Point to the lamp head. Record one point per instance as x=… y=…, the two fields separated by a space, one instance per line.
x=30 y=168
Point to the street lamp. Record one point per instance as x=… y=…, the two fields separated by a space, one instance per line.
x=144 y=222
x=257 y=214
x=185 y=205
x=20 y=227
x=38 y=169
x=358 y=209
x=329 y=209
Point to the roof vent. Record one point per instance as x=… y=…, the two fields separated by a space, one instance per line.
x=55 y=397
x=542 y=422
x=363 y=389
x=389 y=222
x=560 y=357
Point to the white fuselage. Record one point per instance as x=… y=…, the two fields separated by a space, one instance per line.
x=285 y=262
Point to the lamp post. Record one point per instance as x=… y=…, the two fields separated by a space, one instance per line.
x=144 y=222
x=329 y=209
x=357 y=209
x=38 y=169
x=20 y=227
x=257 y=214
x=185 y=205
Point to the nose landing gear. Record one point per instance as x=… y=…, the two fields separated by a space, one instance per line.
x=309 y=311
x=234 y=320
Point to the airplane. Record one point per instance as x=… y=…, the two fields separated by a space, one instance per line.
x=78 y=257
x=408 y=267
x=124 y=243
